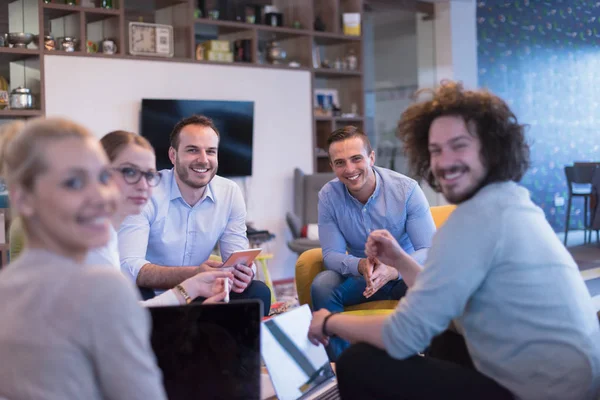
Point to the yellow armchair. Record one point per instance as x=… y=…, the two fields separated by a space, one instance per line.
x=310 y=263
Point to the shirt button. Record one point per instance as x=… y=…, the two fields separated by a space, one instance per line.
x=364 y=210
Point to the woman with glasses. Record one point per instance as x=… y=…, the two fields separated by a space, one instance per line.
x=132 y=162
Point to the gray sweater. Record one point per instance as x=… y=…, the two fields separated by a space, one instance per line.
x=70 y=331
x=516 y=294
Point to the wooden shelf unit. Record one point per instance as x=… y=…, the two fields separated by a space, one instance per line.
x=299 y=42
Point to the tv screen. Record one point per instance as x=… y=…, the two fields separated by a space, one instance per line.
x=233 y=119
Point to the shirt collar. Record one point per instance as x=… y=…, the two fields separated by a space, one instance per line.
x=176 y=193
x=375 y=193
x=377 y=184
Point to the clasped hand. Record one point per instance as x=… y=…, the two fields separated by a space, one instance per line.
x=383 y=251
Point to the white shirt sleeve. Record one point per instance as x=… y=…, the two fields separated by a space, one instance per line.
x=165 y=299
x=133 y=243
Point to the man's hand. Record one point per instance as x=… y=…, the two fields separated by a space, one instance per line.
x=242 y=277
x=315 y=331
x=384 y=247
x=382 y=274
x=210 y=265
x=365 y=268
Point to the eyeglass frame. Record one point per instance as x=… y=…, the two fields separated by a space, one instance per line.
x=141 y=173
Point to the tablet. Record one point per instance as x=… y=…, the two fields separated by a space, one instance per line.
x=242 y=257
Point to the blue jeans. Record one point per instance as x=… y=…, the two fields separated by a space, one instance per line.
x=333 y=291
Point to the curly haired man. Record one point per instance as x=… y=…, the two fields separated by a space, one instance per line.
x=496 y=272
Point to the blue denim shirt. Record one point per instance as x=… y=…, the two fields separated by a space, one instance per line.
x=398 y=204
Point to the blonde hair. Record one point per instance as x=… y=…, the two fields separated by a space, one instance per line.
x=21 y=159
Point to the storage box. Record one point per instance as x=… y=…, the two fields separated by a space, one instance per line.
x=217 y=45
x=223 y=56
x=351 y=24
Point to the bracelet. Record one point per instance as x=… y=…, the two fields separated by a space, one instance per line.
x=323 y=328
x=184 y=293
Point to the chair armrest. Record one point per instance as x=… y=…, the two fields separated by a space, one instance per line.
x=308 y=266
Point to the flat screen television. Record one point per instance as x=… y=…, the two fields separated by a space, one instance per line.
x=233 y=119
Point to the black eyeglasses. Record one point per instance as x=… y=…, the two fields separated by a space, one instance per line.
x=133 y=175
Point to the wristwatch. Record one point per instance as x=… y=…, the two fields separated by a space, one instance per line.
x=184 y=293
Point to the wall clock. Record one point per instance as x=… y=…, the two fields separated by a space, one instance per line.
x=147 y=39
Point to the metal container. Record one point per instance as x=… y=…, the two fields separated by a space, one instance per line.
x=20 y=39
x=21 y=98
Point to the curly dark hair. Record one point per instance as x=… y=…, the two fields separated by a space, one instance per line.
x=504 y=149
x=193 y=120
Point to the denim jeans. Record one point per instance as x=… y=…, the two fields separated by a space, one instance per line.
x=333 y=291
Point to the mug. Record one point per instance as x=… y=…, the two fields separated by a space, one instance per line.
x=109 y=46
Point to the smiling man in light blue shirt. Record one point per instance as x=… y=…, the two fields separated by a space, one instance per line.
x=364 y=198
x=190 y=211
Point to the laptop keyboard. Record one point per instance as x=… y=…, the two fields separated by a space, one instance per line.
x=331 y=394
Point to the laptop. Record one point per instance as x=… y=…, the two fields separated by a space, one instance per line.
x=298 y=369
x=209 y=351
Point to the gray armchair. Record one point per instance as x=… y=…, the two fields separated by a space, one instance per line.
x=306 y=200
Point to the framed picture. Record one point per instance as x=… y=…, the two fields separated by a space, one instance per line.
x=326 y=98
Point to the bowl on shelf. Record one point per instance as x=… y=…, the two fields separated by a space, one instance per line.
x=20 y=39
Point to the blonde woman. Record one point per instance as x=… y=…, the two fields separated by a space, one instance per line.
x=69 y=330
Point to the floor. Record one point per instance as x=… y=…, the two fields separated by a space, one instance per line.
x=587 y=257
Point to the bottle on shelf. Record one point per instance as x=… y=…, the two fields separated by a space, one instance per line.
x=108 y=4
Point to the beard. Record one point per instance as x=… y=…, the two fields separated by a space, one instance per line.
x=455 y=195
x=183 y=172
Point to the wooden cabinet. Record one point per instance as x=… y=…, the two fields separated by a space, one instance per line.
x=317 y=51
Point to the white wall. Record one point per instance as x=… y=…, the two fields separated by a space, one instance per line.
x=105 y=94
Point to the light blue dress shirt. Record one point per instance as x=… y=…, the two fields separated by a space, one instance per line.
x=398 y=205
x=171 y=233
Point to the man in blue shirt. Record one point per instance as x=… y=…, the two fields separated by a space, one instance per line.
x=364 y=198
x=190 y=211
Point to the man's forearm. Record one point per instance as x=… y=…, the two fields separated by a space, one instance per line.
x=355 y=329
x=408 y=268
x=344 y=264
x=159 y=277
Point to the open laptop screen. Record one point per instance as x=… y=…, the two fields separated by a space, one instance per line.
x=209 y=351
x=296 y=366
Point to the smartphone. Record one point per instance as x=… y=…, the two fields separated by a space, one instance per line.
x=242 y=257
